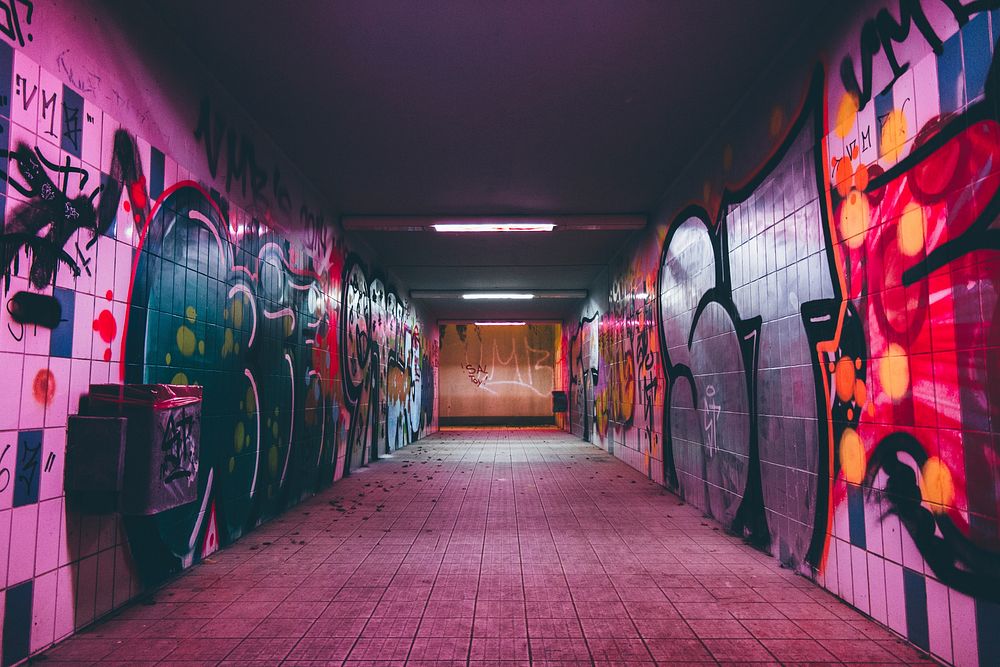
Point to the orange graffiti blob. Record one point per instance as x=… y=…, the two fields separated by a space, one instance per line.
x=845 y=379
x=44 y=386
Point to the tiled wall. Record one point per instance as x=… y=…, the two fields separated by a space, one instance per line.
x=158 y=270
x=811 y=351
x=498 y=371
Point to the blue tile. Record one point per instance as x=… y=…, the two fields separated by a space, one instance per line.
x=61 y=339
x=17 y=623
x=949 y=67
x=988 y=631
x=976 y=53
x=856 y=515
x=28 y=469
x=915 y=592
x=157 y=169
x=72 y=122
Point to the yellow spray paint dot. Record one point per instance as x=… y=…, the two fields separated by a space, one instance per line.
x=847 y=112
x=272 y=460
x=894 y=372
x=274 y=429
x=936 y=485
x=910 y=232
x=246 y=443
x=852 y=456
x=179 y=378
x=227 y=342
x=186 y=341
x=276 y=411
x=236 y=348
x=168 y=358
x=201 y=347
x=855 y=216
x=238 y=312
x=289 y=326
x=225 y=313
x=191 y=314
x=893 y=135
x=251 y=404
x=232 y=464
x=238 y=436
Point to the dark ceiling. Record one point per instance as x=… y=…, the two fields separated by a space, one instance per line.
x=485 y=108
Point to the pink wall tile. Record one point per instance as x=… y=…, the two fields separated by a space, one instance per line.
x=5 y=544
x=963 y=629
x=43 y=610
x=23 y=529
x=86 y=590
x=939 y=619
x=49 y=537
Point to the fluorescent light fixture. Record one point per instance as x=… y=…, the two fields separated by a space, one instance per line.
x=497 y=295
x=499 y=324
x=525 y=226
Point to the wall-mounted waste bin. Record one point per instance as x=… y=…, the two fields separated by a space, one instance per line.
x=162 y=442
x=559 y=402
x=95 y=462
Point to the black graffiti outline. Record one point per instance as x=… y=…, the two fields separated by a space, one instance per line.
x=817 y=317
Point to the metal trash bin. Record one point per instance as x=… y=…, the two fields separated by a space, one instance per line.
x=162 y=442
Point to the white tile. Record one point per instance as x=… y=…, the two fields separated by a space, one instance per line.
x=12 y=370
x=26 y=92
x=65 y=602
x=32 y=412
x=876 y=589
x=895 y=597
x=963 y=629
x=91 y=122
x=50 y=528
x=5 y=544
x=53 y=458
x=43 y=611
x=845 y=579
x=859 y=573
x=939 y=619
x=79 y=383
x=50 y=113
x=23 y=527
x=58 y=405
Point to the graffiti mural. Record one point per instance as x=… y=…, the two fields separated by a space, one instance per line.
x=824 y=334
x=120 y=265
x=383 y=360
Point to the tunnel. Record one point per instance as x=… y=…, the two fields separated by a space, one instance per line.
x=515 y=333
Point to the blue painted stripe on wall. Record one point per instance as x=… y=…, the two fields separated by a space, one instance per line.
x=72 y=122
x=156 y=173
x=6 y=78
x=976 y=55
x=856 y=515
x=988 y=631
x=949 y=69
x=17 y=623
x=915 y=592
x=61 y=339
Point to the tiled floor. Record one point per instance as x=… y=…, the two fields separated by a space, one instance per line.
x=481 y=546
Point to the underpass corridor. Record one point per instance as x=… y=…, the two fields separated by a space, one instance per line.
x=491 y=546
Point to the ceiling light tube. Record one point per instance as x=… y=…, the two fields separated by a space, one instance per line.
x=497 y=295
x=499 y=324
x=481 y=227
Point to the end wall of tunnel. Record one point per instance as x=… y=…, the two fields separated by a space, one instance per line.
x=805 y=342
x=175 y=244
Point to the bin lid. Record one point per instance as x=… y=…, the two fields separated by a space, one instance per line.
x=156 y=396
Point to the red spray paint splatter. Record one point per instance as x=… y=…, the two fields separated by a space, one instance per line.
x=44 y=386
